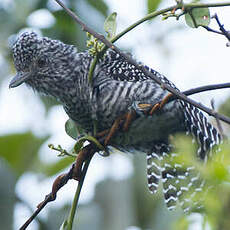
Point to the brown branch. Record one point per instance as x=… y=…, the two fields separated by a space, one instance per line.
x=58 y=183
x=142 y=68
x=74 y=173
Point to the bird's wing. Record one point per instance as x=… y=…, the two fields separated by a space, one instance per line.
x=117 y=68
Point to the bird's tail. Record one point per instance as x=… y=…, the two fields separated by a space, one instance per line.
x=181 y=183
x=202 y=131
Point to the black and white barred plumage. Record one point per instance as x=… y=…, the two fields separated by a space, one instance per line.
x=56 y=69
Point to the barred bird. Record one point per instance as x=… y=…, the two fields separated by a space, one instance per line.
x=58 y=70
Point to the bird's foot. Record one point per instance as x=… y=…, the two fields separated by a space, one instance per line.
x=113 y=130
x=129 y=117
x=123 y=122
x=149 y=109
x=161 y=104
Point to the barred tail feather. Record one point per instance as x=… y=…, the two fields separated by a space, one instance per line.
x=180 y=184
x=154 y=166
x=153 y=173
x=205 y=134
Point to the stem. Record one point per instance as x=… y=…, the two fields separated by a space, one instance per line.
x=77 y=195
x=79 y=187
x=159 y=12
x=91 y=69
x=144 y=19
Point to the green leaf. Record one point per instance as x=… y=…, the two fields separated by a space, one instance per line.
x=182 y=224
x=225 y=107
x=21 y=151
x=220 y=171
x=198 y=17
x=92 y=140
x=110 y=25
x=152 y=5
x=78 y=146
x=72 y=129
x=64 y=225
x=66 y=30
x=183 y=145
x=7 y=195
x=99 y=5
x=54 y=168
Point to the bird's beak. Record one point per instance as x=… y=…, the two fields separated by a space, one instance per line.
x=20 y=78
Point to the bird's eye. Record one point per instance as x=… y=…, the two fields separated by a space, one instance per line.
x=41 y=62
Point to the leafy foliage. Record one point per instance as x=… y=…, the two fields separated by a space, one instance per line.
x=20 y=151
x=110 y=25
x=198 y=17
x=152 y=5
x=100 y=6
x=72 y=130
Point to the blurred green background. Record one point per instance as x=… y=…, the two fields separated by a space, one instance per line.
x=117 y=203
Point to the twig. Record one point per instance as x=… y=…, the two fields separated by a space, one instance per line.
x=184 y=6
x=219 y=126
x=212 y=30
x=142 y=68
x=205 y=88
x=43 y=204
x=225 y=32
x=58 y=183
x=201 y=89
x=74 y=173
x=221 y=27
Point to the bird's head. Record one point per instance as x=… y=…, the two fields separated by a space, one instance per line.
x=42 y=63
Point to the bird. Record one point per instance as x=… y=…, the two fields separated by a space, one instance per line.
x=56 y=69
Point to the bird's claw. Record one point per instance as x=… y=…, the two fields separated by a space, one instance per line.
x=123 y=122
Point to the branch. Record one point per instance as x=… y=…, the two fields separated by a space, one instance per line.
x=225 y=32
x=221 y=27
x=201 y=89
x=58 y=183
x=76 y=172
x=141 y=67
x=206 y=88
x=157 y=13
